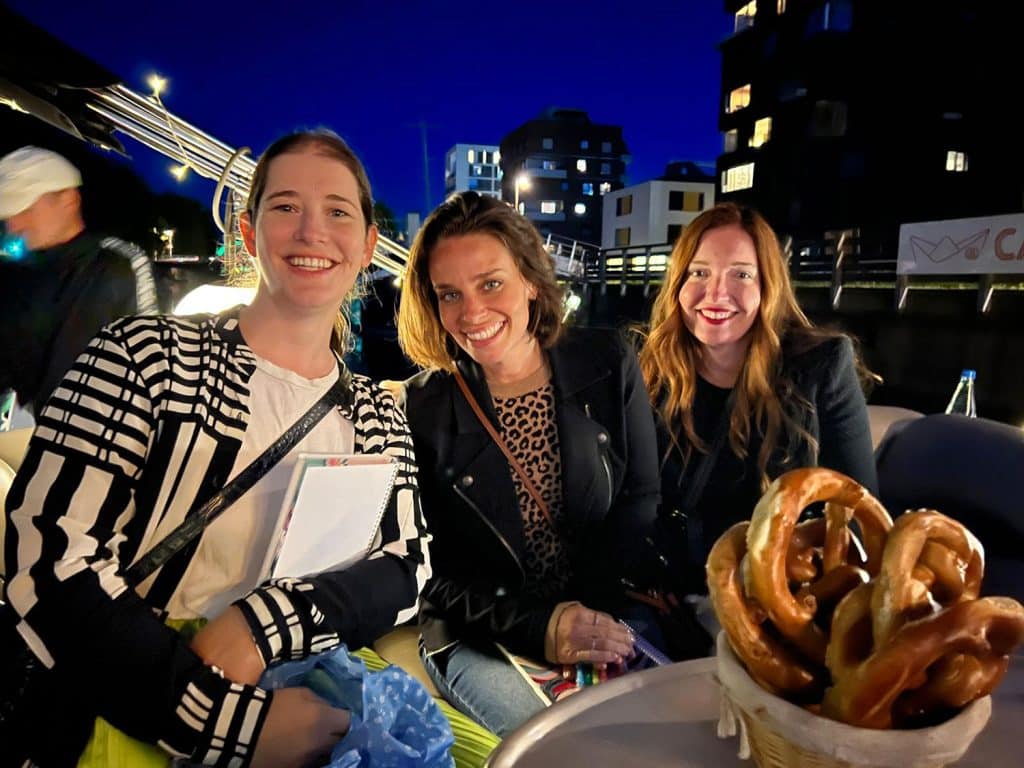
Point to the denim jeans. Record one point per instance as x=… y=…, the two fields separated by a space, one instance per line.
x=480 y=682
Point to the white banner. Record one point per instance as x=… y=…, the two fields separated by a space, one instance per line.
x=989 y=245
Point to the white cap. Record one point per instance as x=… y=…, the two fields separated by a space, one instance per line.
x=28 y=173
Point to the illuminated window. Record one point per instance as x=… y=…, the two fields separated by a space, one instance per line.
x=622 y=236
x=956 y=161
x=549 y=165
x=581 y=165
x=745 y=16
x=606 y=146
x=762 y=132
x=731 y=139
x=470 y=156
x=606 y=169
x=497 y=156
x=738 y=177
x=738 y=98
x=548 y=206
x=478 y=170
x=683 y=200
x=588 y=189
x=605 y=188
x=584 y=144
x=780 y=7
x=624 y=205
x=547 y=143
x=579 y=209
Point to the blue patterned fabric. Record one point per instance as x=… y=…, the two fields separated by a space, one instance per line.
x=395 y=722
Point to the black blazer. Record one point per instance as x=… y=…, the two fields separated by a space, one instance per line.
x=823 y=392
x=609 y=485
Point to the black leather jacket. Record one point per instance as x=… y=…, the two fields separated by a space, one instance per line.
x=609 y=484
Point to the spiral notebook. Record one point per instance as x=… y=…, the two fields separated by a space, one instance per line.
x=331 y=512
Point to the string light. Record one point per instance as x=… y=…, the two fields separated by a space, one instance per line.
x=158 y=84
x=179 y=172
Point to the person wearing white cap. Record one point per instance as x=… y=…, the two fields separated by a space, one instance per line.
x=68 y=285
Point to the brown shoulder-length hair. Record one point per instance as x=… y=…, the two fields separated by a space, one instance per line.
x=670 y=355
x=320 y=141
x=420 y=333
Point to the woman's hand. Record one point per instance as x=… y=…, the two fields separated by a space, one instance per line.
x=301 y=729
x=227 y=643
x=585 y=635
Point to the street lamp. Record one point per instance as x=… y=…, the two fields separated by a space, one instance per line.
x=521 y=181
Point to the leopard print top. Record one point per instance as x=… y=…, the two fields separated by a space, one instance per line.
x=527 y=424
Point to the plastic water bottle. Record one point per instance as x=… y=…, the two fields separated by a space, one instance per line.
x=962 y=401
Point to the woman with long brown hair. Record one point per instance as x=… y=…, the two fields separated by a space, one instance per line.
x=744 y=385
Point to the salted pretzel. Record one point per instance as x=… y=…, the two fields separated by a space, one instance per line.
x=868 y=682
x=930 y=561
x=772 y=664
x=769 y=540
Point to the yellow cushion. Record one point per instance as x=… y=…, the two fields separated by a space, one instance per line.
x=400 y=647
x=13 y=445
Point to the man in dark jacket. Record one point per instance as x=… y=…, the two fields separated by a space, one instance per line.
x=67 y=284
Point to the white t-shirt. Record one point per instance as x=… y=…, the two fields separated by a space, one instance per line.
x=233 y=547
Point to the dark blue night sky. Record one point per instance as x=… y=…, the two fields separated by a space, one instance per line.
x=373 y=71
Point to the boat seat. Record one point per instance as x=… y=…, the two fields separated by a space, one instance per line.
x=400 y=647
x=969 y=469
x=882 y=418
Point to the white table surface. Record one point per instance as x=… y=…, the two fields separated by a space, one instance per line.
x=668 y=717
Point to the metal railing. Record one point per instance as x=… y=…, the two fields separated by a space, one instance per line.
x=569 y=255
x=643 y=265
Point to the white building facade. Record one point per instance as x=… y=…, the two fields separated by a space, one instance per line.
x=475 y=167
x=653 y=213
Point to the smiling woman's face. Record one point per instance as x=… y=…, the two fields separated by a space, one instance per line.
x=484 y=303
x=721 y=294
x=310 y=238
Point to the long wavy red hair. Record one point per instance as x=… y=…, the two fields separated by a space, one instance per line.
x=670 y=356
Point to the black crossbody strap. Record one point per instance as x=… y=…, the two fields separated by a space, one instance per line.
x=195 y=523
x=694 y=525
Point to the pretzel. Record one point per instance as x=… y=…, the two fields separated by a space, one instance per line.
x=953 y=683
x=929 y=560
x=774 y=666
x=804 y=549
x=769 y=538
x=897 y=624
x=865 y=692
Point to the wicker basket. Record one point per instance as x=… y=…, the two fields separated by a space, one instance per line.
x=782 y=735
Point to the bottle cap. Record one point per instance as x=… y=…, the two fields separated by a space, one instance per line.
x=969 y=373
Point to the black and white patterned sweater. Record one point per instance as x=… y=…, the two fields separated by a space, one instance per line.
x=142 y=430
